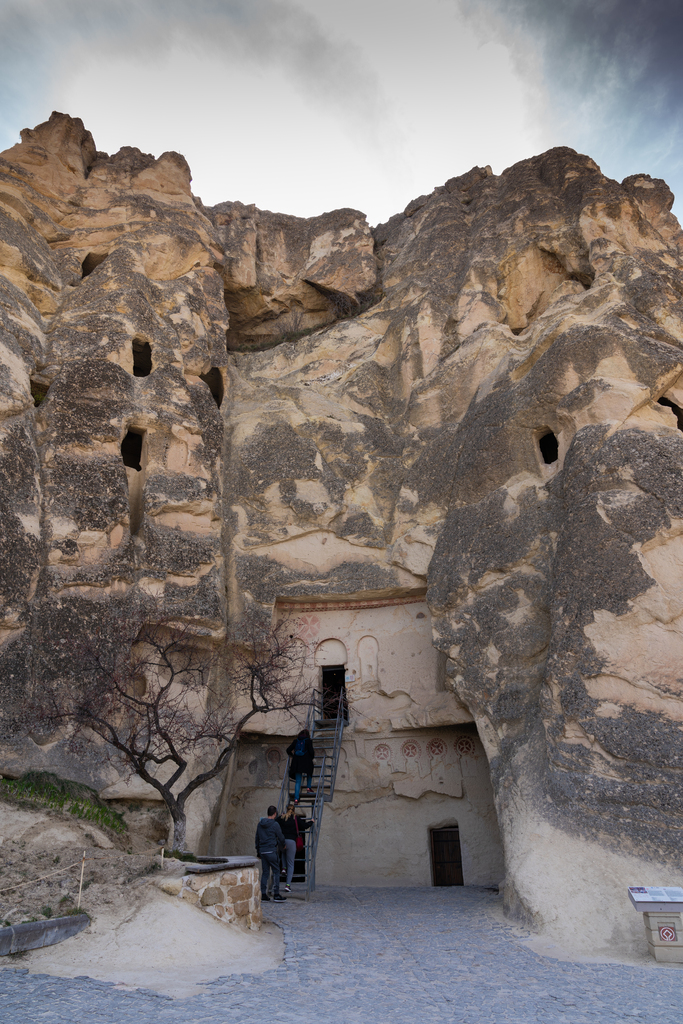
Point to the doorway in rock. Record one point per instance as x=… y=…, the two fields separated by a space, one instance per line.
x=332 y=684
x=446 y=856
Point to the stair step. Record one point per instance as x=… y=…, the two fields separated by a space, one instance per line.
x=326 y=734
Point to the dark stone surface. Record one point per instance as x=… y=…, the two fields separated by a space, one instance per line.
x=37 y=934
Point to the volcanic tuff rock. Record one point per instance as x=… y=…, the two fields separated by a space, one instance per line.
x=481 y=398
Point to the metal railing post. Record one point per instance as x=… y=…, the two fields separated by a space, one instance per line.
x=314 y=832
x=284 y=790
x=328 y=763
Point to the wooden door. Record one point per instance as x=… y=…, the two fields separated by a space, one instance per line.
x=446 y=856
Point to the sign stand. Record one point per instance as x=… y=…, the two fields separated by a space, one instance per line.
x=661 y=907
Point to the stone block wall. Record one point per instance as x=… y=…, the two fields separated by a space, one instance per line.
x=231 y=896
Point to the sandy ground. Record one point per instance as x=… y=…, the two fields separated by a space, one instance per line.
x=162 y=944
x=632 y=950
x=139 y=937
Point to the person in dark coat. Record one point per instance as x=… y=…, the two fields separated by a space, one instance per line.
x=293 y=825
x=269 y=842
x=302 y=753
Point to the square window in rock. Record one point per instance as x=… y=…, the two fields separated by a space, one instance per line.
x=142 y=358
x=549 y=447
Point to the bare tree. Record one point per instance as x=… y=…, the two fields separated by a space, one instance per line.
x=158 y=703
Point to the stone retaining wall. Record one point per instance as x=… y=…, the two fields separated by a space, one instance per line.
x=231 y=896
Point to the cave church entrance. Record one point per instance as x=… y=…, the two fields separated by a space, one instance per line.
x=333 y=681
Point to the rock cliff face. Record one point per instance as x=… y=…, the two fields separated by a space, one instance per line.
x=481 y=400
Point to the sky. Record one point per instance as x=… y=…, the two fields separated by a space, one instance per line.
x=304 y=106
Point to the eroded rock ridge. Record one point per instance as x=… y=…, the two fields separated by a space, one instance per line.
x=480 y=401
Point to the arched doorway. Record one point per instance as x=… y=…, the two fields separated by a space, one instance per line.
x=331 y=657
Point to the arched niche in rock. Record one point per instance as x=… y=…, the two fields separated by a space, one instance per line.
x=331 y=657
x=368 y=657
x=331 y=652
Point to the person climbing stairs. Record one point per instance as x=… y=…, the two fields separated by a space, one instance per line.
x=326 y=735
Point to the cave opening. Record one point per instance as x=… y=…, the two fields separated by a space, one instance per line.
x=132 y=453
x=142 y=358
x=38 y=392
x=676 y=409
x=92 y=260
x=549 y=446
x=214 y=381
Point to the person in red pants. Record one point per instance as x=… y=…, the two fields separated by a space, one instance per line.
x=293 y=827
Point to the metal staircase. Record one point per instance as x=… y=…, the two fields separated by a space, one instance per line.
x=326 y=734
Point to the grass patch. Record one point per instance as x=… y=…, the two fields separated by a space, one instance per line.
x=38 y=392
x=180 y=855
x=49 y=790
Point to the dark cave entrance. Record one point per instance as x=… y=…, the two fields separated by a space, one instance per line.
x=549 y=447
x=332 y=685
x=676 y=409
x=133 y=455
x=142 y=358
x=91 y=261
x=214 y=381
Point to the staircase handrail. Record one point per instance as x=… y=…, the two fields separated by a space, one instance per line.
x=283 y=799
x=311 y=836
x=338 y=731
x=316 y=700
x=284 y=789
x=311 y=847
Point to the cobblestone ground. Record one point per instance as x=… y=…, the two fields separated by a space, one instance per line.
x=380 y=956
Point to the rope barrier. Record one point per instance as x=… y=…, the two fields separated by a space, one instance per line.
x=42 y=878
x=77 y=863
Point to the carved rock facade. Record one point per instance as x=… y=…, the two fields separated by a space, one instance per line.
x=478 y=404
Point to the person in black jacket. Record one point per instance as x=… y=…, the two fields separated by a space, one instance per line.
x=302 y=753
x=269 y=841
x=293 y=825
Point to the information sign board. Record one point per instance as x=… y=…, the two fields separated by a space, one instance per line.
x=656 y=898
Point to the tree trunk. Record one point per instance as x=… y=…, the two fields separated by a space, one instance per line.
x=179 y=830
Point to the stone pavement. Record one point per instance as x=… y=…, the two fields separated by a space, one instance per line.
x=380 y=956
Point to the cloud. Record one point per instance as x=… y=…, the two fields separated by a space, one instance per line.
x=41 y=39
x=613 y=72
x=302 y=104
